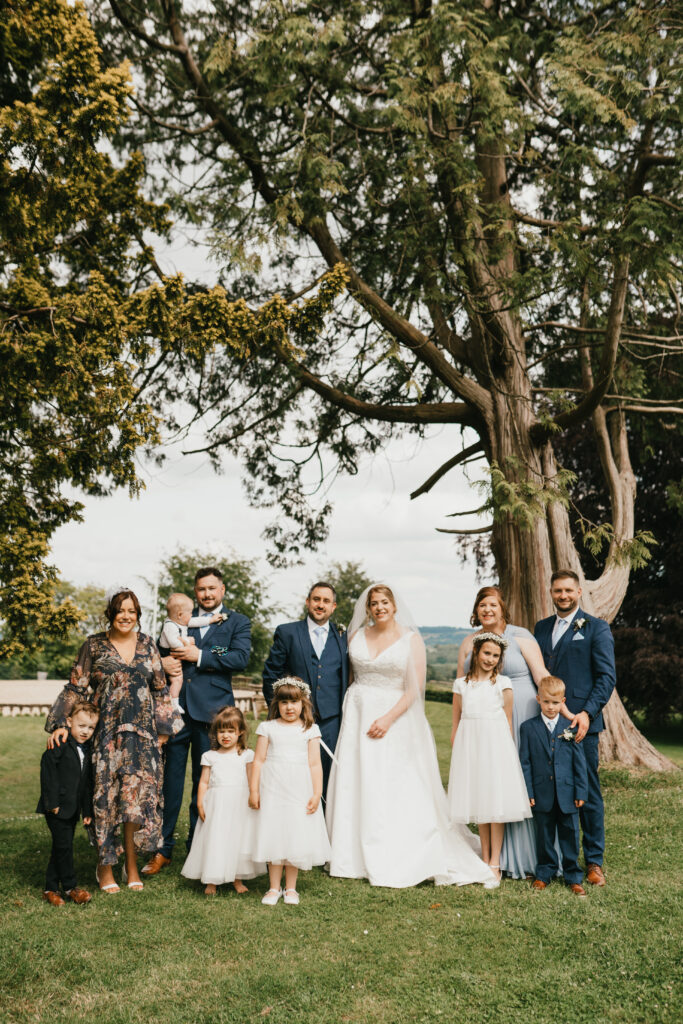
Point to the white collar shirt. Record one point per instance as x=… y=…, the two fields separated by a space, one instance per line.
x=562 y=624
x=550 y=723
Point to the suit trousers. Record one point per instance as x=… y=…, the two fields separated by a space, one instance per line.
x=547 y=824
x=60 y=868
x=592 y=814
x=193 y=738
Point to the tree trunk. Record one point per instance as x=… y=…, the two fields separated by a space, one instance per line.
x=525 y=559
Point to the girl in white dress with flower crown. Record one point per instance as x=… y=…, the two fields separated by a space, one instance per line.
x=217 y=854
x=386 y=807
x=285 y=788
x=486 y=784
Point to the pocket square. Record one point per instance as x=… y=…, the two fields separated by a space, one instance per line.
x=578 y=636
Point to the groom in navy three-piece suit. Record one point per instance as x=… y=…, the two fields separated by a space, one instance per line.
x=315 y=650
x=579 y=649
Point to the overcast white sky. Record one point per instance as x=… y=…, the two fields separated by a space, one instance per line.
x=375 y=523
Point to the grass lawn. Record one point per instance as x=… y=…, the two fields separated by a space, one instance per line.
x=348 y=952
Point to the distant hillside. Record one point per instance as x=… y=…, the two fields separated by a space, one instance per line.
x=442 y=643
x=435 y=636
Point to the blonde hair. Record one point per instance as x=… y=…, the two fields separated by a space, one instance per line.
x=551 y=686
x=381 y=588
x=177 y=601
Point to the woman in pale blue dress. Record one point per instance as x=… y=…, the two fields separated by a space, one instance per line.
x=523 y=664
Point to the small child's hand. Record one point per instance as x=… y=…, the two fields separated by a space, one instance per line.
x=87 y=821
x=312 y=805
x=218 y=617
x=254 y=801
x=579 y=803
x=201 y=811
x=532 y=803
x=55 y=810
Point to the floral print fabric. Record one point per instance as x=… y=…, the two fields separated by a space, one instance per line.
x=135 y=709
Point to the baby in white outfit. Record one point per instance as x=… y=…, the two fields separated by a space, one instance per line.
x=174 y=633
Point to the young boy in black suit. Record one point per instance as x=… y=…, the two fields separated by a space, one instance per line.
x=66 y=792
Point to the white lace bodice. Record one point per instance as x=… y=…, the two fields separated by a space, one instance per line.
x=388 y=670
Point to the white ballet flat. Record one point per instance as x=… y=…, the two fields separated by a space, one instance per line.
x=271 y=897
x=291 y=897
x=494 y=883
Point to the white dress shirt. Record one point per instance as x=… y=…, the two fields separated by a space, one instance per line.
x=562 y=623
x=318 y=640
x=550 y=723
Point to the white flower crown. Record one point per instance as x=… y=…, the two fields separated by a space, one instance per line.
x=480 y=638
x=292 y=681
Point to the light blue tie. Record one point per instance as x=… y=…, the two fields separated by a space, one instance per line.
x=319 y=643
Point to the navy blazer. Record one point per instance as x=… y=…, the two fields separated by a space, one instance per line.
x=552 y=768
x=584 y=660
x=292 y=655
x=63 y=783
x=208 y=687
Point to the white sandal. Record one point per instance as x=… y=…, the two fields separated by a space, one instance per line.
x=291 y=897
x=271 y=897
x=111 y=888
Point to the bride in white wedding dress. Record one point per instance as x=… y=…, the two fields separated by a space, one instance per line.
x=386 y=807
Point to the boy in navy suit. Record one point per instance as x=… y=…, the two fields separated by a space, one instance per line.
x=66 y=792
x=554 y=767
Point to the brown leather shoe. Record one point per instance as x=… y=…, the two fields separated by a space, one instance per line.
x=154 y=866
x=538 y=885
x=594 y=875
x=77 y=895
x=53 y=898
x=577 y=889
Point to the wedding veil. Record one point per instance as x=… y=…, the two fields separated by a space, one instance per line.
x=416 y=669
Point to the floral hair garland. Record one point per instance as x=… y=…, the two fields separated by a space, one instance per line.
x=118 y=588
x=292 y=681
x=480 y=638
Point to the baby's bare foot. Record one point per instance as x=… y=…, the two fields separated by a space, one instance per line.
x=210 y=890
x=239 y=886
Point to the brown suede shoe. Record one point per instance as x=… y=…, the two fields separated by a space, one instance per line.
x=154 y=866
x=53 y=898
x=537 y=885
x=77 y=895
x=577 y=889
x=594 y=875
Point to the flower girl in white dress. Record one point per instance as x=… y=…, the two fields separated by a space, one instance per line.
x=486 y=785
x=217 y=854
x=285 y=788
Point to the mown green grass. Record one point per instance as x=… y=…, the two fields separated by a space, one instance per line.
x=348 y=952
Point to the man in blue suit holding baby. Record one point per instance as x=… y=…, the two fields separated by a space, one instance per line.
x=579 y=648
x=220 y=648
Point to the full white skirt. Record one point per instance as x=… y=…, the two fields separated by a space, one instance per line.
x=282 y=832
x=218 y=852
x=386 y=807
x=486 y=782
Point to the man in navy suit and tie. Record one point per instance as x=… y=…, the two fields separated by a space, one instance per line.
x=220 y=649
x=315 y=650
x=579 y=648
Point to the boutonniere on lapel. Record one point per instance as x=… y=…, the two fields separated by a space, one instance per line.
x=341 y=630
x=568 y=735
x=578 y=624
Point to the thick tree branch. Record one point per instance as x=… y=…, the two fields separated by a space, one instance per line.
x=478 y=529
x=436 y=412
x=447 y=467
x=615 y=317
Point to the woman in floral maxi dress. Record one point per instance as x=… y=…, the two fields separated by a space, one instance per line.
x=120 y=671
